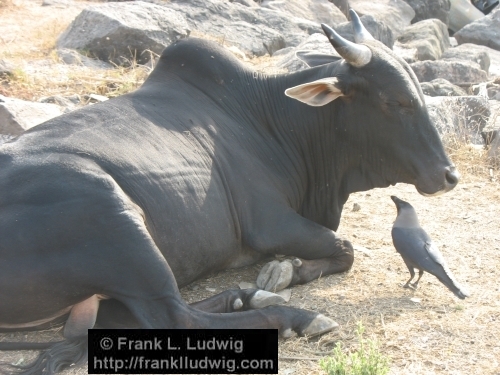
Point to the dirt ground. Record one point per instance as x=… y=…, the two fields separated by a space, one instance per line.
x=428 y=331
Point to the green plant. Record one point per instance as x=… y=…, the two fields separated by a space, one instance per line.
x=367 y=360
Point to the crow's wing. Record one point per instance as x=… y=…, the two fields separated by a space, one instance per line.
x=410 y=243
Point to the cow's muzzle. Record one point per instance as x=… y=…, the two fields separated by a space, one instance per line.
x=451 y=178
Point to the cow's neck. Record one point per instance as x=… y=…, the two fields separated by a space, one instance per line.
x=326 y=164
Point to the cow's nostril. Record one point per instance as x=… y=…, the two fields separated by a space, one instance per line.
x=452 y=176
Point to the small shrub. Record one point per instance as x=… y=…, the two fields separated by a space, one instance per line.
x=367 y=360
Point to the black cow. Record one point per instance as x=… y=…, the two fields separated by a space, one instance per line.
x=208 y=166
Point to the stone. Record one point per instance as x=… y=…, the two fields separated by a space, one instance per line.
x=317 y=43
x=442 y=87
x=484 y=31
x=469 y=52
x=461 y=73
x=72 y=57
x=461 y=118
x=248 y=3
x=407 y=53
x=6 y=68
x=428 y=37
x=394 y=13
x=123 y=32
x=321 y=11
x=427 y=9
x=58 y=3
x=378 y=29
x=256 y=31
x=17 y=116
x=462 y=12
x=67 y=104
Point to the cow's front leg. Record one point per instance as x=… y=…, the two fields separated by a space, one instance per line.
x=319 y=251
x=238 y=300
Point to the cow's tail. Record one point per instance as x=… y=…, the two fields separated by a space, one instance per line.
x=55 y=358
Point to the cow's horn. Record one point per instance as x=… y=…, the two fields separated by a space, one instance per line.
x=360 y=32
x=357 y=55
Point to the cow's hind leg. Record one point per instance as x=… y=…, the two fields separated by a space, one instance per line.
x=114 y=314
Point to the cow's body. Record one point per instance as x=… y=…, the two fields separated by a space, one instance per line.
x=207 y=166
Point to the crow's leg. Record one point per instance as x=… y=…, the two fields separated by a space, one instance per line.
x=412 y=274
x=415 y=284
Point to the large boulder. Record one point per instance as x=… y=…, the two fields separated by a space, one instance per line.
x=318 y=43
x=427 y=9
x=441 y=87
x=122 y=32
x=428 y=37
x=462 y=73
x=461 y=118
x=73 y=57
x=462 y=12
x=485 y=31
x=469 y=52
x=321 y=11
x=378 y=29
x=17 y=116
x=256 y=31
x=6 y=68
x=394 y=13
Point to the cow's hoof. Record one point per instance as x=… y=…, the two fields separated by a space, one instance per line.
x=288 y=333
x=237 y=304
x=275 y=276
x=262 y=298
x=319 y=325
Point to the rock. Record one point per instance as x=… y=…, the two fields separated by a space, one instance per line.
x=256 y=31
x=122 y=32
x=462 y=12
x=469 y=52
x=57 y=3
x=494 y=151
x=67 y=104
x=248 y=3
x=459 y=117
x=343 y=6
x=6 y=138
x=426 y=9
x=72 y=57
x=394 y=13
x=321 y=11
x=17 y=116
x=428 y=37
x=460 y=73
x=316 y=42
x=441 y=87
x=485 y=31
x=407 y=53
x=493 y=91
x=6 y=68
x=378 y=29
x=489 y=136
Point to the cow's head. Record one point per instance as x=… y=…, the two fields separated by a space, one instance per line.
x=385 y=119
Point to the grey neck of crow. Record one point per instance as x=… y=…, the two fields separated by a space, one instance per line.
x=407 y=217
x=316 y=154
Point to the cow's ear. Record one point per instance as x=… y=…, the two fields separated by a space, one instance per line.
x=316 y=93
x=313 y=59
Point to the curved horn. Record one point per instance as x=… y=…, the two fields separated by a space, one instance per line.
x=355 y=54
x=360 y=32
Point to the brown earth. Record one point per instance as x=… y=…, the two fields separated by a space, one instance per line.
x=437 y=334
